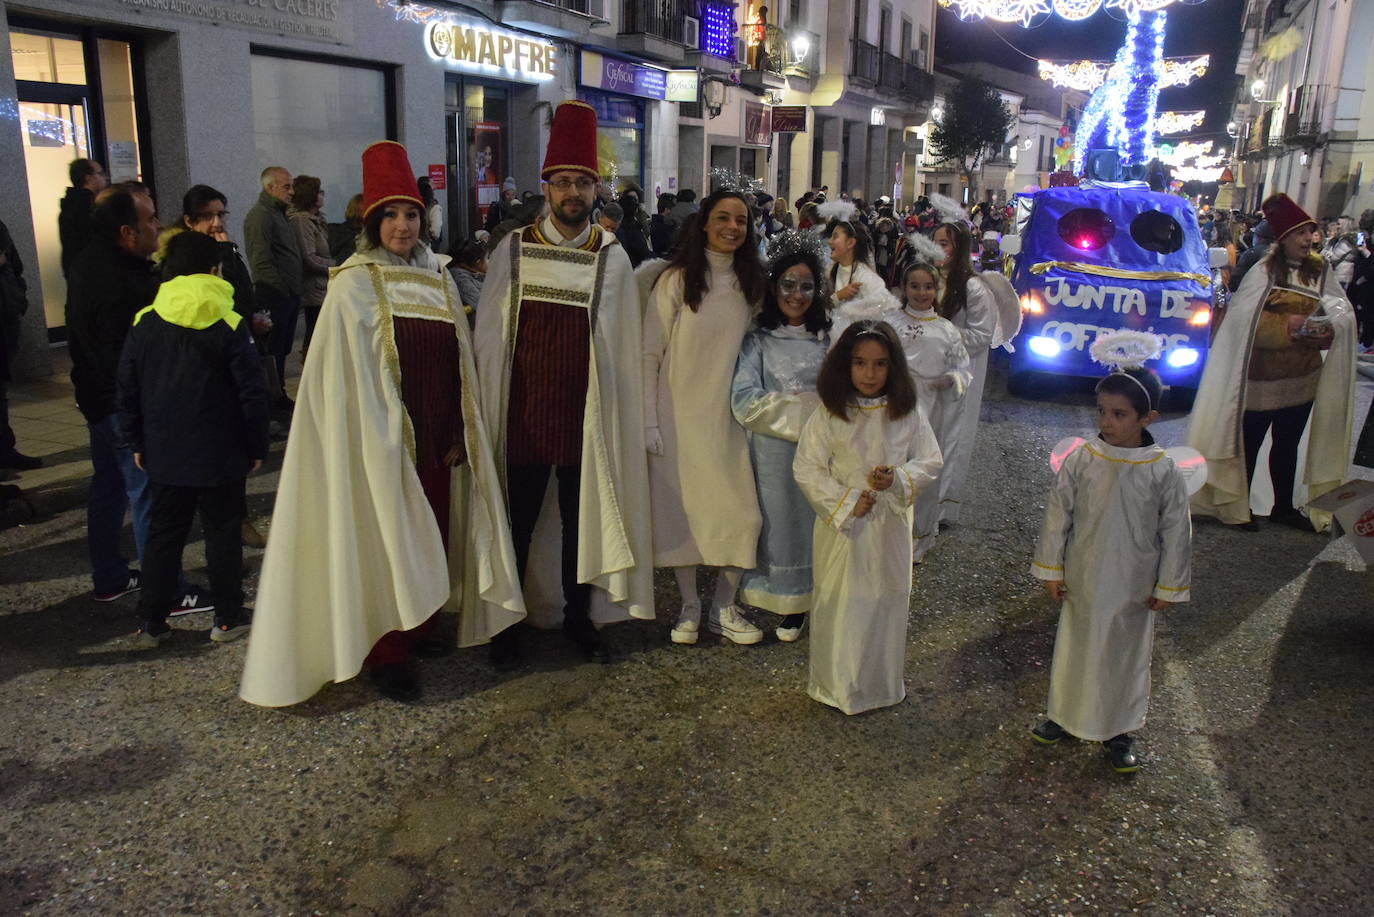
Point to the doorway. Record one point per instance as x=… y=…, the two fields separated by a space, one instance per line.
x=77 y=100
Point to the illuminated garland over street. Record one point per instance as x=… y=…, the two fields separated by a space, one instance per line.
x=1178 y=122
x=1025 y=11
x=1087 y=75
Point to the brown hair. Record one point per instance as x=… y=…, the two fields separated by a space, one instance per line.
x=958 y=270
x=836 y=386
x=691 y=256
x=1309 y=270
x=304 y=190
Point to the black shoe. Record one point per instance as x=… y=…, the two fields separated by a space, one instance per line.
x=20 y=462
x=434 y=648
x=1048 y=733
x=395 y=682
x=507 y=650
x=1292 y=518
x=583 y=633
x=1119 y=753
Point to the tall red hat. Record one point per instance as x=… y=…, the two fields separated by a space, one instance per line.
x=387 y=177
x=572 y=141
x=1284 y=215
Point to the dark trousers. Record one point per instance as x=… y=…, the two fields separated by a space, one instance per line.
x=7 y=440
x=285 y=309
x=169 y=523
x=526 y=487
x=1288 y=424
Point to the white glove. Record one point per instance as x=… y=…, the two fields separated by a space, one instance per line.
x=653 y=440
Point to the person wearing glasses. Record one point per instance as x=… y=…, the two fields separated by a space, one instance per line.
x=558 y=355
x=773 y=395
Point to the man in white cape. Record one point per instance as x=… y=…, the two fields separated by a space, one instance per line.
x=558 y=355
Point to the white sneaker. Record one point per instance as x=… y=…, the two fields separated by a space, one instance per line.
x=790 y=629
x=734 y=626
x=688 y=624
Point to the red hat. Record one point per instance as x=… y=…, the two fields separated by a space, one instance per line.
x=1284 y=216
x=387 y=177
x=572 y=141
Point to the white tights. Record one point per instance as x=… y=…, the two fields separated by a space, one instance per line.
x=727 y=584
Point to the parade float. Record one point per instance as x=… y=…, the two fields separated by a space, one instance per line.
x=1102 y=252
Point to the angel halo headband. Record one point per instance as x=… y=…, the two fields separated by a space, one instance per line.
x=1123 y=350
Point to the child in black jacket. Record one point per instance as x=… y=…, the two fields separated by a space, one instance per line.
x=193 y=408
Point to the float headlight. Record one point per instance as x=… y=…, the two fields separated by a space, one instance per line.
x=1044 y=347
x=1180 y=357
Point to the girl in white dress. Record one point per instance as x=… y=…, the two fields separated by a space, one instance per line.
x=862 y=458
x=701 y=486
x=1114 y=548
x=939 y=366
x=967 y=302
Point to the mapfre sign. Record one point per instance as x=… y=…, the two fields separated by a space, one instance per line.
x=479 y=49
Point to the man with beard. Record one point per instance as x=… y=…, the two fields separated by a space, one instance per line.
x=558 y=356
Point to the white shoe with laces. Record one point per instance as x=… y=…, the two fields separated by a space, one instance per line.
x=733 y=625
x=688 y=625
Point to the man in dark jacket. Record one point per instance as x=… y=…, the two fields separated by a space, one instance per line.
x=111 y=280
x=193 y=409
x=274 y=257
x=74 y=217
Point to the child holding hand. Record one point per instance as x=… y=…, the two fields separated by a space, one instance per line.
x=1114 y=548
x=861 y=461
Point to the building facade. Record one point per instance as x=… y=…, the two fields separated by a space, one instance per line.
x=181 y=92
x=1304 y=115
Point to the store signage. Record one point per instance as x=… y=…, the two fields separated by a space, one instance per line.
x=612 y=75
x=683 y=86
x=789 y=119
x=481 y=49
x=758 y=124
x=438 y=176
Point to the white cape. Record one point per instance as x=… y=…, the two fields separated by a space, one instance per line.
x=1215 y=426
x=354 y=550
x=615 y=552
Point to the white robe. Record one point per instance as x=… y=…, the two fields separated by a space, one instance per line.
x=874 y=301
x=862 y=567
x=977 y=322
x=1215 y=426
x=614 y=548
x=1117 y=533
x=355 y=551
x=705 y=507
x=934 y=348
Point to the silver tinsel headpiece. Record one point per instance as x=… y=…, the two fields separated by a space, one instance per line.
x=791 y=241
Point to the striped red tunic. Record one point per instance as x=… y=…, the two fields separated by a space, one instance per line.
x=548 y=385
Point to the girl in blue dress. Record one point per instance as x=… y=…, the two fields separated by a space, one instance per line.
x=773 y=395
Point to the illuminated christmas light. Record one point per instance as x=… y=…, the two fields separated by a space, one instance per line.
x=1087 y=75
x=1178 y=122
x=718 y=30
x=1076 y=9
x=1022 y=11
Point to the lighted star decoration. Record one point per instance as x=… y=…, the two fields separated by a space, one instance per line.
x=1178 y=122
x=411 y=12
x=1087 y=75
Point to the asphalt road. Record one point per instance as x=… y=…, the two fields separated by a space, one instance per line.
x=702 y=780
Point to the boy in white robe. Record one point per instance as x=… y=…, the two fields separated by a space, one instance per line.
x=1115 y=548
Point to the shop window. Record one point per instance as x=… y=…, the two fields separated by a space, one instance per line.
x=316 y=117
x=619 y=137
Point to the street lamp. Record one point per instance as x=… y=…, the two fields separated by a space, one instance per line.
x=937 y=114
x=1257 y=90
x=801 y=46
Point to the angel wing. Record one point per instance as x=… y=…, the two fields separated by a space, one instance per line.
x=1008 y=307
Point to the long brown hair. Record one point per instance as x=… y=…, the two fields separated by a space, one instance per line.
x=958 y=270
x=835 y=385
x=863 y=246
x=1309 y=269
x=691 y=255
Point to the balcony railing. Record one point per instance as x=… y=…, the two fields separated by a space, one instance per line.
x=765 y=47
x=660 y=18
x=1305 y=108
x=863 y=64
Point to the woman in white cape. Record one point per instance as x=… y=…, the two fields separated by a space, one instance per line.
x=375 y=477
